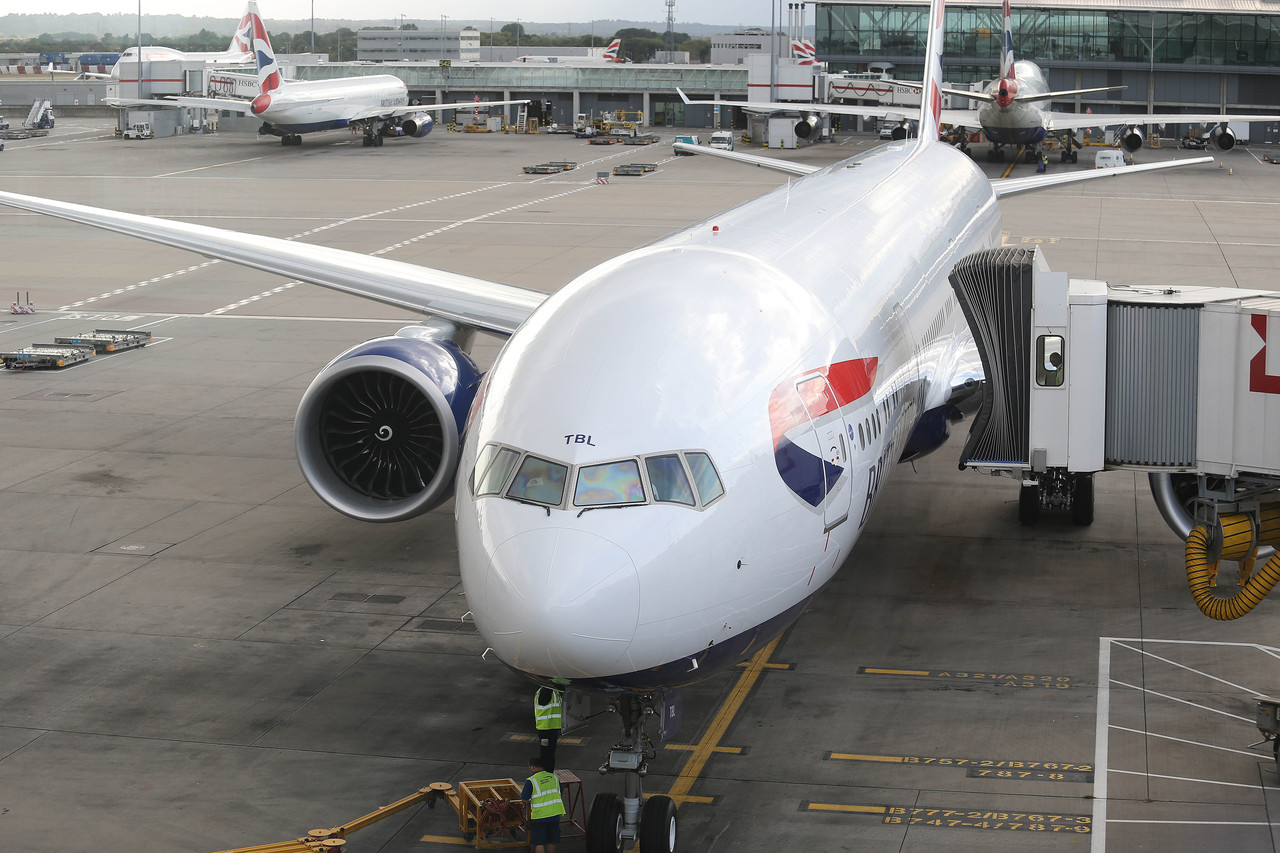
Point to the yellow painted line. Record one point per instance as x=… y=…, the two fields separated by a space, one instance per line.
x=688 y=747
x=689 y=798
x=870 y=671
x=719 y=725
x=445 y=839
x=838 y=807
x=849 y=756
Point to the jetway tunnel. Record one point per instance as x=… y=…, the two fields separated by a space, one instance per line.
x=1175 y=382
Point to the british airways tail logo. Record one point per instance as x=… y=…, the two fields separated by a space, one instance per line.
x=797 y=406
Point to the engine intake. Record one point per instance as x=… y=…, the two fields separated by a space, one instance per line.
x=418 y=125
x=379 y=431
x=1222 y=138
x=1131 y=138
x=806 y=126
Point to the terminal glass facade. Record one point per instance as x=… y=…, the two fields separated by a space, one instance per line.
x=1084 y=35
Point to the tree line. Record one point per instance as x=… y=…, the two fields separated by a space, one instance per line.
x=638 y=44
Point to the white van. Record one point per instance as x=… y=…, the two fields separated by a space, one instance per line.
x=1108 y=159
x=722 y=139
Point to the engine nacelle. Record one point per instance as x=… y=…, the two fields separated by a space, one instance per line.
x=1131 y=138
x=418 y=125
x=807 y=126
x=1222 y=138
x=379 y=431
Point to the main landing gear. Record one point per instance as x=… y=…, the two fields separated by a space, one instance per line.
x=615 y=822
x=291 y=139
x=372 y=139
x=1057 y=489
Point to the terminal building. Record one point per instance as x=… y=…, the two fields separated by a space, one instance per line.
x=1170 y=56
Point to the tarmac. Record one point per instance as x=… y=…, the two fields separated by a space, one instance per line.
x=196 y=654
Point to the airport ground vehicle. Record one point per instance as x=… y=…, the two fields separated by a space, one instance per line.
x=141 y=130
x=722 y=139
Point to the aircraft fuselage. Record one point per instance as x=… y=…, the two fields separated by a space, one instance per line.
x=1020 y=122
x=783 y=340
x=312 y=105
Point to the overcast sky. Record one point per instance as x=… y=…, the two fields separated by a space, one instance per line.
x=694 y=11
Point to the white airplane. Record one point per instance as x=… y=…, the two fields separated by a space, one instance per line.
x=1013 y=112
x=238 y=53
x=610 y=55
x=673 y=453
x=379 y=104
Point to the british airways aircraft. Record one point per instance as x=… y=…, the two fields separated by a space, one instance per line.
x=673 y=453
x=238 y=53
x=379 y=104
x=1013 y=111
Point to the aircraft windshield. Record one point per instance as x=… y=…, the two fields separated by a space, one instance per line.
x=687 y=478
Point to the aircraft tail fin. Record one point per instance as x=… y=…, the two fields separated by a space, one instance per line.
x=268 y=71
x=1006 y=49
x=611 y=52
x=242 y=38
x=931 y=96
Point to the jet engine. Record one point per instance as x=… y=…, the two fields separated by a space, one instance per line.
x=1222 y=138
x=418 y=125
x=379 y=431
x=806 y=127
x=1131 y=138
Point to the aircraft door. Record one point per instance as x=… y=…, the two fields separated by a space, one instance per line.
x=833 y=444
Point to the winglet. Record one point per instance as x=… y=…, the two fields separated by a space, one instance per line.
x=931 y=97
x=682 y=95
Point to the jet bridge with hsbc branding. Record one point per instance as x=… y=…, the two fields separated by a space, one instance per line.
x=1182 y=383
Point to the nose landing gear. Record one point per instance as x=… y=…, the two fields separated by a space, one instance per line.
x=616 y=822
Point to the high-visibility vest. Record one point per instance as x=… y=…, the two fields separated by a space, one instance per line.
x=545 y=801
x=547 y=716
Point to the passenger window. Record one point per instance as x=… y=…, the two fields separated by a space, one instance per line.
x=492 y=469
x=1049 y=366
x=540 y=481
x=610 y=483
x=704 y=474
x=668 y=479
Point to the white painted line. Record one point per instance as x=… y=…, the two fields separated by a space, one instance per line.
x=1199 y=822
x=1248 y=720
x=215 y=166
x=1188 y=742
x=1185 y=779
x=1239 y=687
x=1101 y=733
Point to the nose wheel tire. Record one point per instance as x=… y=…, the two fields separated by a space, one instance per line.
x=658 y=825
x=604 y=824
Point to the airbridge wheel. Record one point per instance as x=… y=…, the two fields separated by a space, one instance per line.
x=1029 y=505
x=1082 y=500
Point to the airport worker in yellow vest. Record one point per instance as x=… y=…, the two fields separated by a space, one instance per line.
x=547 y=719
x=542 y=790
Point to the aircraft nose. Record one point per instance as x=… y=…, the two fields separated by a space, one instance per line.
x=567 y=602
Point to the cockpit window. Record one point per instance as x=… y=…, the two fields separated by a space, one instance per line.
x=704 y=474
x=610 y=483
x=540 y=481
x=668 y=479
x=492 y=469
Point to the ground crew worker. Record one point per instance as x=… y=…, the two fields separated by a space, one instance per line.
x=542 y=790
x=548 y=717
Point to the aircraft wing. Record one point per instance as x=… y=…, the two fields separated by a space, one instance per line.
x=377 y=112
x=474 y=302
x=1012 y=186
x=754 y=159
x=229 y=104
x=1075 y=121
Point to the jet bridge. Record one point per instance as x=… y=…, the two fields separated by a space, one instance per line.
x=1178 y=382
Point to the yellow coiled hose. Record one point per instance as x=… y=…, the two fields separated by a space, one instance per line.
x=1238 y=543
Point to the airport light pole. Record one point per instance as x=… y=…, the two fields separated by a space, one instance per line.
x=139 y=48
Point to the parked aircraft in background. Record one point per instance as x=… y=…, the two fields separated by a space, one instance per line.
x=1013 y=111
x=289 y=108
x=673 y=453
x=610 y=55
x=238 y=53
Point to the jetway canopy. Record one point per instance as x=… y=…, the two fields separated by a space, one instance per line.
x=1086 y=376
